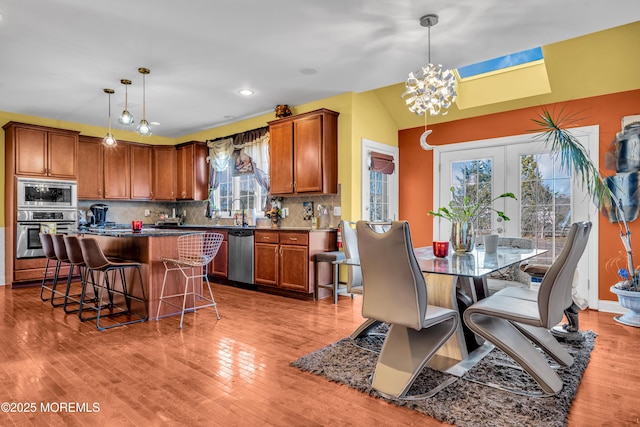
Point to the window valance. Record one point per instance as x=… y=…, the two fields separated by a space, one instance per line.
x=381 y=163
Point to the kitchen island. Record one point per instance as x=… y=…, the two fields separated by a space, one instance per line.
x=147 y=247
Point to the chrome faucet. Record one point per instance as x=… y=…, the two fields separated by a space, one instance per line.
x=242 y=206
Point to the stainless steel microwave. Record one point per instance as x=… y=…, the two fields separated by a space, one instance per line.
x=46 y=193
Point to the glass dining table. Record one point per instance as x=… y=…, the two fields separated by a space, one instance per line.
x=456 y=282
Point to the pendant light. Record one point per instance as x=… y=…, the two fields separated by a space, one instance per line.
x=126 y=118
x=143 y=128
x=108 y=139
x=431 y=89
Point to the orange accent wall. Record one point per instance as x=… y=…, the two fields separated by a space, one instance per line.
x=416 y=166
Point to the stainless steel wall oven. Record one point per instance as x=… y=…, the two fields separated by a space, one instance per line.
x=41 y=201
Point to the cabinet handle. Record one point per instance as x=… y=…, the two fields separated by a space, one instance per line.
x=293 y=238
x=100 y=192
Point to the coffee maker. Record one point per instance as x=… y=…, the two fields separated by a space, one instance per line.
x=99 y=214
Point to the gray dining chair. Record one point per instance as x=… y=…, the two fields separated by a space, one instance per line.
x=518 y=320
x=395 y=292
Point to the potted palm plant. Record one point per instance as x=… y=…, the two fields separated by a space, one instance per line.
x=573 y=156
x=463 y=214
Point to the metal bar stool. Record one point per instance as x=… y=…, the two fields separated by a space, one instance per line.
x=330 y=257
x=60 y=250
x=74 y=253
x=195 y=252
x=97 y=262
x=50 y=254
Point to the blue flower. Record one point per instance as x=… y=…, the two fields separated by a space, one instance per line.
x=623 y=273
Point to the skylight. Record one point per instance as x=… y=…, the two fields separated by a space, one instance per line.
x=501 y=62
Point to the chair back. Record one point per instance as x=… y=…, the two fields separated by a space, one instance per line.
x=199 y=249
x=47 y=246
x=554 y=295
x=92 y=254
x=74 y=252
x=350 y=245
x=59 y=248
x=394 y=289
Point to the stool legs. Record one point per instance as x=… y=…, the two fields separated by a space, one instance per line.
x=54 y=280
x=108 y=284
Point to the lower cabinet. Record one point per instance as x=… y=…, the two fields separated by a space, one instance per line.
x=285 y=259
x=219 y=265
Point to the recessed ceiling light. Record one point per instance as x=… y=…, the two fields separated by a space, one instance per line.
x=229 y=117
x=245 y=92
x=308 y=71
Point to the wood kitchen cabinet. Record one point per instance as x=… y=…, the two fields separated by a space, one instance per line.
x=192 y=171
x=219 y=265
x=90 y=168
x=141 y=172
x=117 y=171
x=41 y=151
x=164 y=172
x=304 y=153
x=285 y=258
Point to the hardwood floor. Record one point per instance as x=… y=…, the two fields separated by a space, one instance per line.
x=235 y=371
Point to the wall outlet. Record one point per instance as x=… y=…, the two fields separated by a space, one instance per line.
x=285 y=212
x=147 y=212
x=337 y=211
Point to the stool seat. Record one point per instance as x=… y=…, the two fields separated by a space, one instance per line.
x=330 y=257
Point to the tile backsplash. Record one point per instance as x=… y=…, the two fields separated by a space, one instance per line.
x=122 y=212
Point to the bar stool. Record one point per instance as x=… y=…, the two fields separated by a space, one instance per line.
x=195 y=252
x=60 y=250
x=330 y=257
x=74 y=253
x=47 y=246
x=96 y=261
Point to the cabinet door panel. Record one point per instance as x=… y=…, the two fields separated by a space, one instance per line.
x=294 y=273
x=266 y=264
x=117 y=172
x=164 y=173
x=62 y=150
x=31 y=152
x=281 y=158
x=219 y=264
x=307 y=136
x=141 y=172
x=90 y=170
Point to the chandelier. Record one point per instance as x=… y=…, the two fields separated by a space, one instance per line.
x=431 y=88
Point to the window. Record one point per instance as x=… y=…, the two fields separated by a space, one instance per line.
x=472 y=180
x=238 y=192
x=379 y=181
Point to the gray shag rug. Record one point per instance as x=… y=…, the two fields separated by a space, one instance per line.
x=463 y=403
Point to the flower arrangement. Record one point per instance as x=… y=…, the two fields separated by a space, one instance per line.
x=282 y=110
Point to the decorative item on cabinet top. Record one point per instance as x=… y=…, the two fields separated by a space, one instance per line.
x=282 y=110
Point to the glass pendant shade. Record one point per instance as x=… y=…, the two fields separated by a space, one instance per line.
x=126 y=118
x=143 y=128
x=109 y=140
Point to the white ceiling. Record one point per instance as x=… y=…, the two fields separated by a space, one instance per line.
x=58 y=55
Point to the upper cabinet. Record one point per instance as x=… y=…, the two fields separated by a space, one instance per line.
x=117 y=172
x=90 y=169
x=41 y=151
x=164 y=172
x=304 y=153
x=141 y=172
x=192 y=172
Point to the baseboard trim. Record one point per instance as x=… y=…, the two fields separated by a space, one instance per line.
x=611 y=307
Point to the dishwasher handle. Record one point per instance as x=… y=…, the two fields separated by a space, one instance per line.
x=241 y=233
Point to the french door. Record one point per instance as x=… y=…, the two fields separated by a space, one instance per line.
x=548 y=201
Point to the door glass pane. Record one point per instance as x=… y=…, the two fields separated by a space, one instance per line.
x=378 y=196
x=472 y=183
x=545 y=205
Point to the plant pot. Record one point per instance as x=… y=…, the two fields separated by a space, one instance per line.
x=275 y=221
x=631 y=301
x=462 y=236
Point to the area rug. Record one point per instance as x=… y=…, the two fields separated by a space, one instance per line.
x=463 y=403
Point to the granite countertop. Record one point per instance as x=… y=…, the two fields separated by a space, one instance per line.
x=237 y=227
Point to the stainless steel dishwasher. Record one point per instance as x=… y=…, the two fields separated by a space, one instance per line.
x=241 y=255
